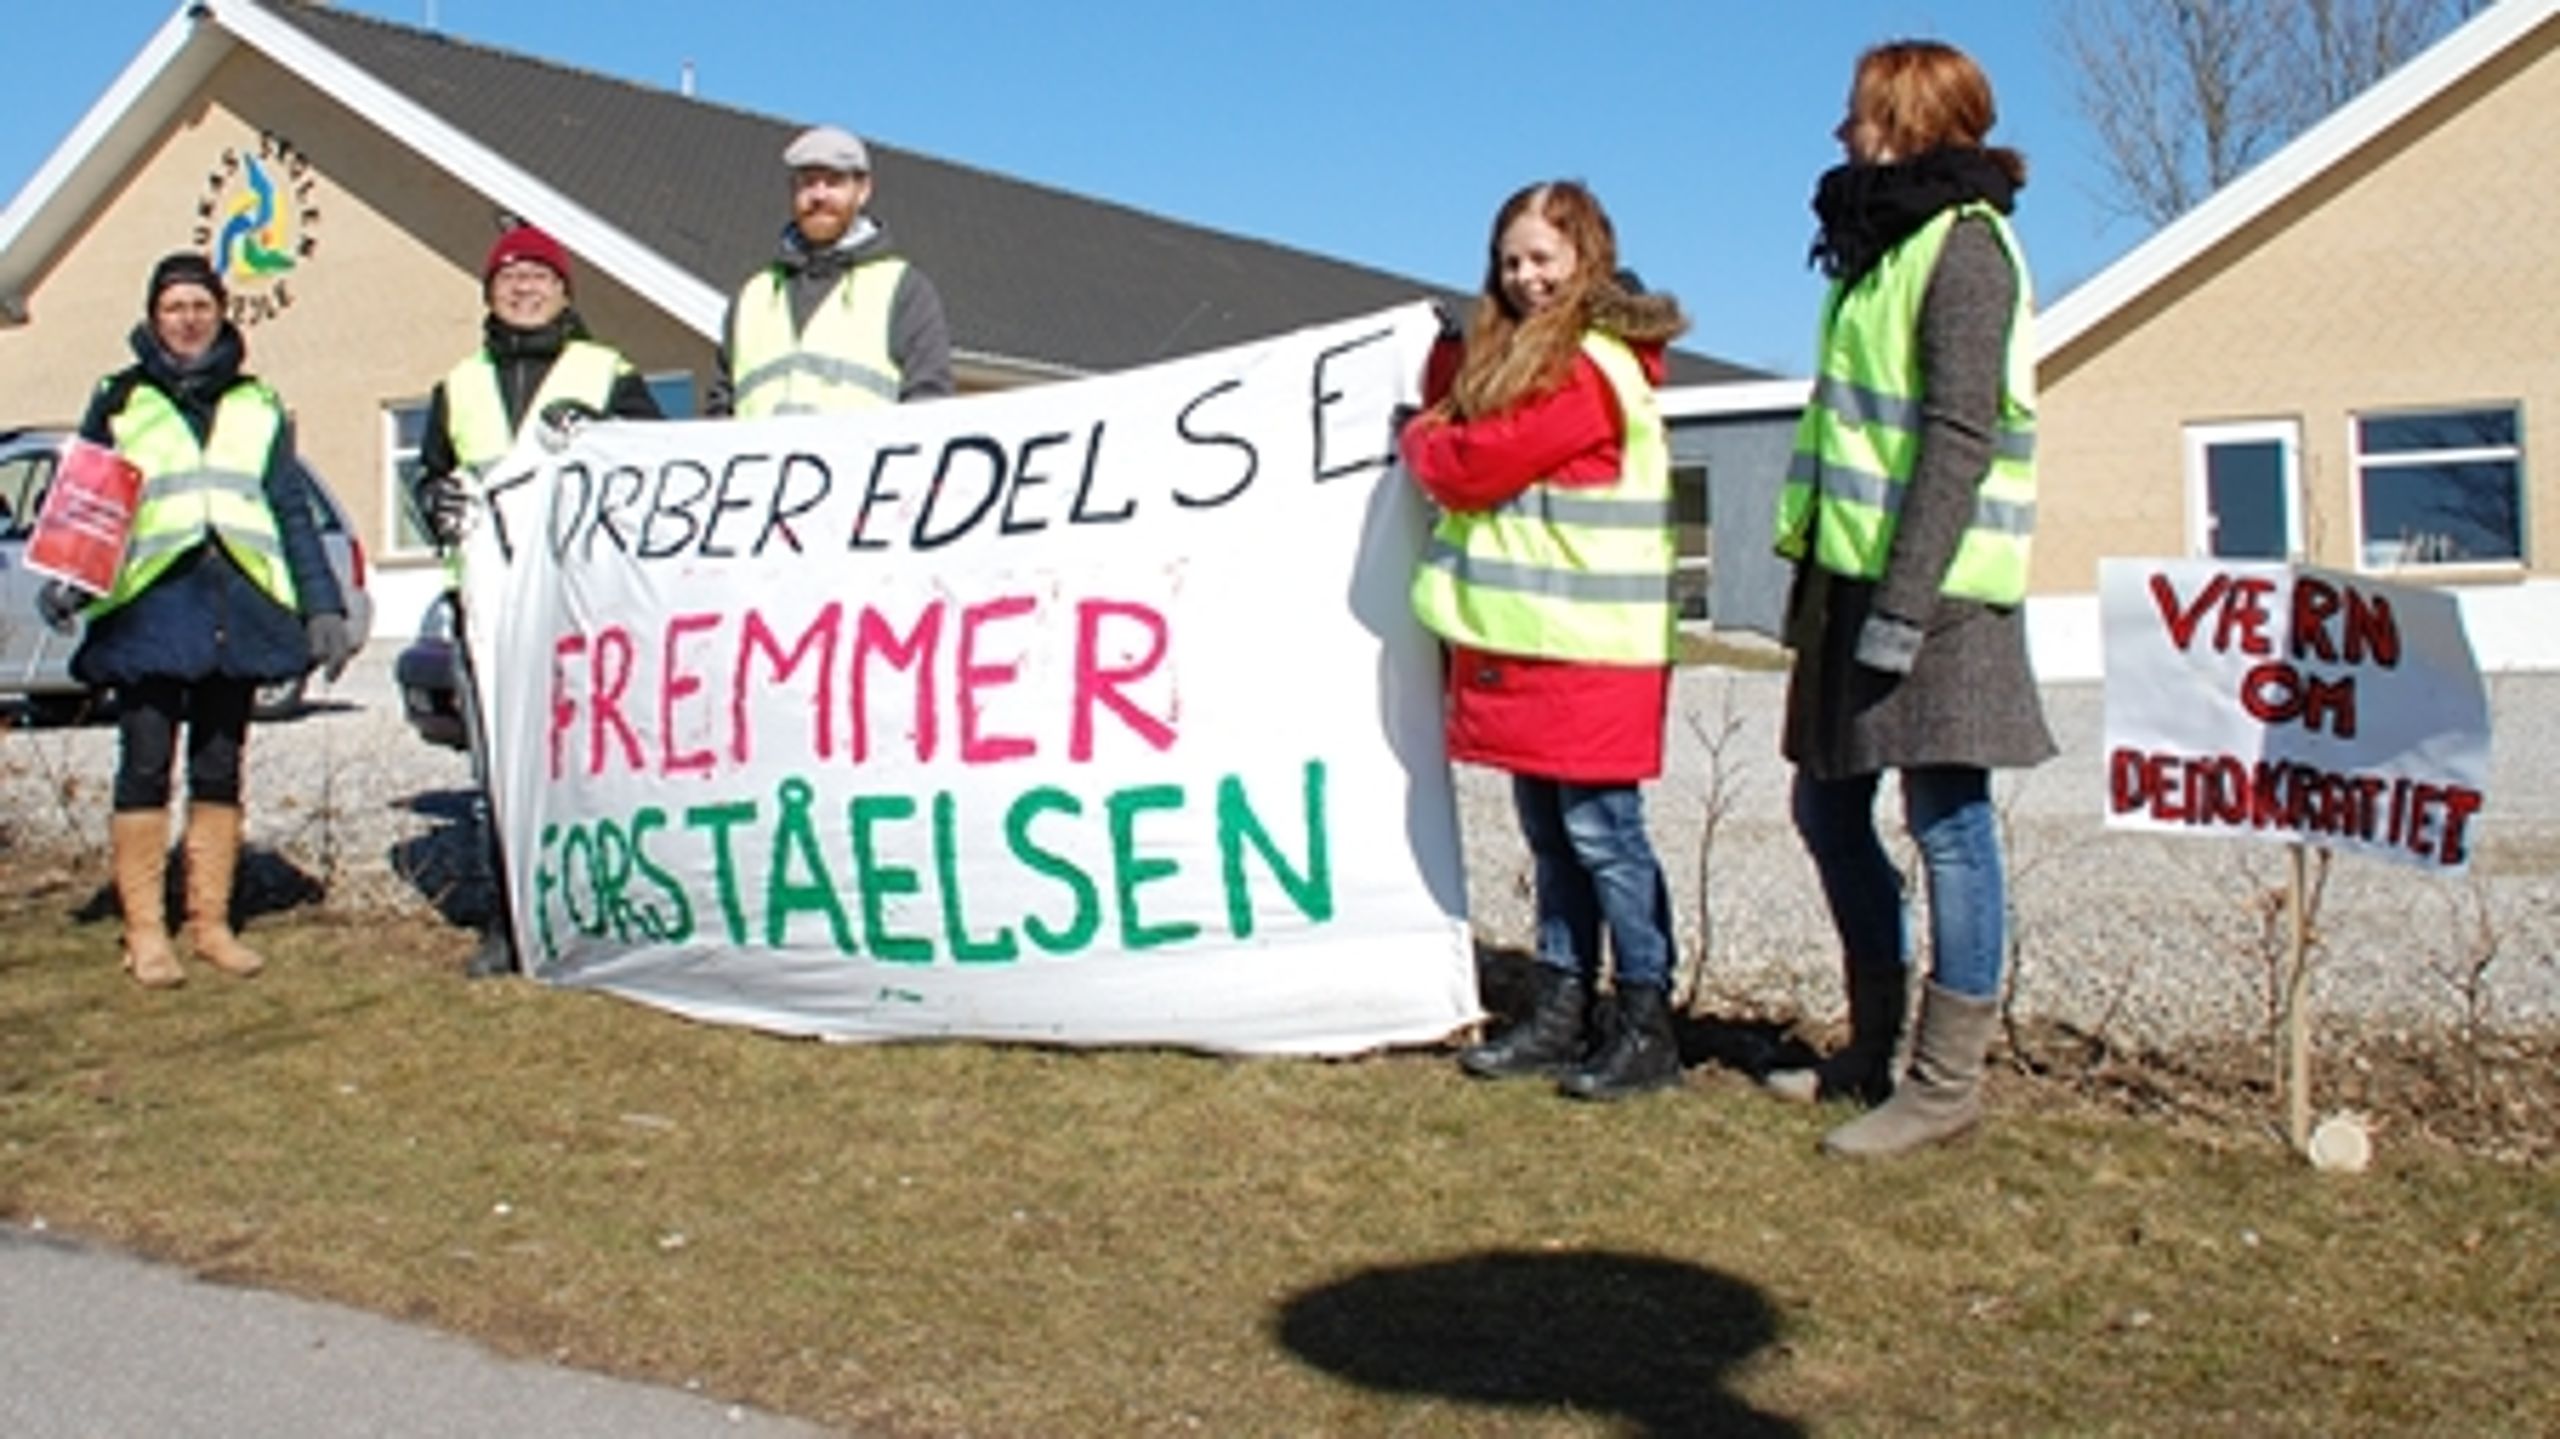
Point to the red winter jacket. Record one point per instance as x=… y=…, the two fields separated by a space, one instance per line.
x=1571 y=720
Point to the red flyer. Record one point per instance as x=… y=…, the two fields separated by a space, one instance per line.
x=87 y=514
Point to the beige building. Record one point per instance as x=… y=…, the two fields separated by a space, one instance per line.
x=382 y=293
x=2339 y=357
x=347 y=176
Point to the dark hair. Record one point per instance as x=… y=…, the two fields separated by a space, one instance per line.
x=184 y=267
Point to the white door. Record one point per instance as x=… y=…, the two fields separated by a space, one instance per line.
x=2244 y=495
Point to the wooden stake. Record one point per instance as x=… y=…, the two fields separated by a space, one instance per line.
x=2297 y=1012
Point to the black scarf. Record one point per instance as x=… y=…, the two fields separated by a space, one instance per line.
x=196 y=386
x=506 y=342
x=1866 y=210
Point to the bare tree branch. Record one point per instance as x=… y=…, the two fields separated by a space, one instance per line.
x=2182 y=96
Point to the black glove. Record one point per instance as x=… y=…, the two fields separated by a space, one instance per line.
x=332 y=643
x=60 y=603
x=1450 y=329
x=448 y=507
x=562 y=419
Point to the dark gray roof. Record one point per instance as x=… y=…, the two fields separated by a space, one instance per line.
x=1026 y=272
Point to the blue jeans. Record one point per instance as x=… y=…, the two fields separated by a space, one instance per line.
x=1595 y=866
x=1948 y=811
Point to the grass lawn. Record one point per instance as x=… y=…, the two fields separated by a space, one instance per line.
x=947 y=1239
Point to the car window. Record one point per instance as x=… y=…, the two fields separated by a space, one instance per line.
x=324 y=508
x=23 y=477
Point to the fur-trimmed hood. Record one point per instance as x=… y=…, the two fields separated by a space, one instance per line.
x=1637 y=317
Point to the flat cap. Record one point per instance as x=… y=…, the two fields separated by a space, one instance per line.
x=828 y=148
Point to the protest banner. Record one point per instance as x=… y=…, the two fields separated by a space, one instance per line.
x=2290 y=703
x=1091 y=713
x=88 y=513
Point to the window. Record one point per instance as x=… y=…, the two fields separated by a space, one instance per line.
x=673 y=390
x=2440 y=487
x=2243 y=490
x=404 y=428
x=24 y=473
x=1690 y=584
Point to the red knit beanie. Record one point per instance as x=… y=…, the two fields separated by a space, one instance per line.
x=526 y=242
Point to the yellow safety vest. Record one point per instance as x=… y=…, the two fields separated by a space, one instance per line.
x=842 y=362
x=1859 y=438
x=475 y=414
x=1567 y=572
x=194 y=492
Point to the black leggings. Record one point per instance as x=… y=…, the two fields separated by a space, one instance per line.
x=216 y=715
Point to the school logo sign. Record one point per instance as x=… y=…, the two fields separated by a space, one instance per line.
x=257 y=221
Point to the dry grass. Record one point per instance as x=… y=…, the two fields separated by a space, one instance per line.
x=955 y=1239
x=1730 y=650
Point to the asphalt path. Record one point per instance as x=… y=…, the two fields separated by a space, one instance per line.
x=100 y=1345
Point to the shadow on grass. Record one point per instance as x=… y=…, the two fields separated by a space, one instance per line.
x=313 y=707
x=1505 y=978
x=265 y=883
x=1651 y=1340
x=449 y=865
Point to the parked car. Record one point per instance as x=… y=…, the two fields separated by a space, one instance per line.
x=35 y=663
x=430 y=682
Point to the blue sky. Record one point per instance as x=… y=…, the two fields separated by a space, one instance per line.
x=1384 y=133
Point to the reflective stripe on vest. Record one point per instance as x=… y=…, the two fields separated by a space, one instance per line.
x=192 y=492
x=1859 y=439
x=841 y=362
x=1567 y=572
x=475 y=414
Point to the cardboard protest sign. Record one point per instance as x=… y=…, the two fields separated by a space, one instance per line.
x=88 y=514
x=2284 y=702
x=1091 y=713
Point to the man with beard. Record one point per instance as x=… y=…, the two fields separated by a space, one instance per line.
x=536 y=365
x=838 y=321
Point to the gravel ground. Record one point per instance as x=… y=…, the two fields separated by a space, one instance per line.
x=2147 y=938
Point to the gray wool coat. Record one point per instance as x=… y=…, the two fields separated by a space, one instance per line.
x=1970 y=697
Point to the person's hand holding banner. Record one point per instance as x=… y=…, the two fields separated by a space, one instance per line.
x=562 y=419
x=60 y=605
x=448 y=506
x=88 y=512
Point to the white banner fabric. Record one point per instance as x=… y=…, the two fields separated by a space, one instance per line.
x=1089 y=713
x=2284 y=702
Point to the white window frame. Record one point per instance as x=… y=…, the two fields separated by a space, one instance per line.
x=2201 y=437
x=1701 y=564
x=2358 y=463
x=394 y=503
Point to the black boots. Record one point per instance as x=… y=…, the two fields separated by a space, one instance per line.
x=1550 y=1041
x=494 y=959
x=1862 y=1070
x=1642 y=1053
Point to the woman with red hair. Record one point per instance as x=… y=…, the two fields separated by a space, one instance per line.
x=1549 y=577
x=1908 y=511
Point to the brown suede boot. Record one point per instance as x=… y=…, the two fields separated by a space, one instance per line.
x=140 y=839
x=1942 y=1095
x=213 y=855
